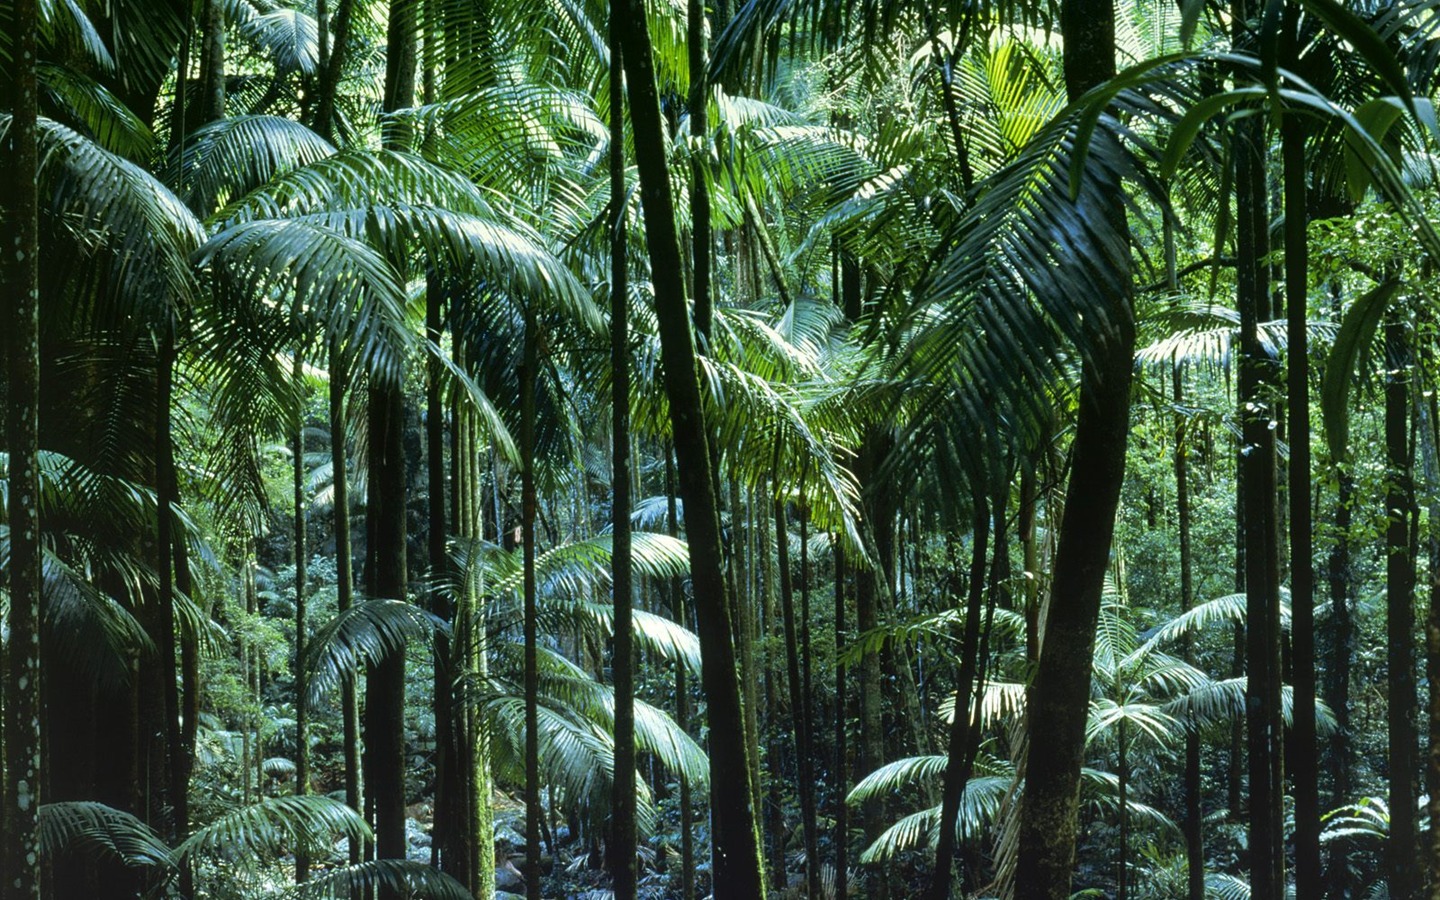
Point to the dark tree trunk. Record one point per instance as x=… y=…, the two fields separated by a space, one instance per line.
x=1400 y=613
x=19 y=845
x=1431 y=436
x=872 y=734
x=806 y=712
x=212 y=63
x=1303 y=754
x=176 y=773
x=1060 y=696
x=800 y=725
x=385 y=513
x=1191 y=820
x=302 y=707
x=1262 y=579
x=332 y=68
x=682 y=695
x=699 y=177
x=957 y=767
x=385 y=686
x=529 y=373
x=736 y=852
x=841 y=770
x=448 y=834
x=344 y=576
x=623 y=804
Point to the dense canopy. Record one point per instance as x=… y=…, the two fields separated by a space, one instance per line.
x=459 y=448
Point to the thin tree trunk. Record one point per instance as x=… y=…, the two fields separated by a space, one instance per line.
x=1400 y=614
x=737 y=867
x=1191 y=821
x=1431 y=437
x=747 y=631
x=302 y=706
x=449 y=832
x=808 y=800
x=956 y=768
x=1122 y=775
x=841 y=770
x=344 y=576
x=1262 y=585
x=212 y=63
x=1337 y=693
x=1060 y=698
x=529 y=373
x=772 y=630
x=623 y=804
x=797 y=694
x=1304 y=754
x=332 y=69
x=176 y=786
x=682 y=695
x=699 y=177
x=19 y=843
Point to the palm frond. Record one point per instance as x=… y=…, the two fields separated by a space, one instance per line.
x=227 y=159
x=86 y=826
x=94 y=108
x=399 y=876
x=289 y=37
x=274 y=826
x=893 y=776
x=1227 y=610
x=363 y=635
x=107 y=207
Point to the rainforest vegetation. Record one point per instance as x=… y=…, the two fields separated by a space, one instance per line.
x=790 y=448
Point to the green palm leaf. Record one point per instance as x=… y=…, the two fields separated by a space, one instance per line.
x=274 y=826
x=363 y=635
x=86 y=826
x=227 y=159
x=399 y=876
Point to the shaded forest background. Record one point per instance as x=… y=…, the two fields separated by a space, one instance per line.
x=809 y=449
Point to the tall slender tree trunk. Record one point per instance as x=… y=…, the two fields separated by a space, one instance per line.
x=1304 y=754
x=1430 y=434
x=1337 y=682
x=1258 y=459
x=1060 y=697
x=473 y=841
x=332 y=67
x=682 y=694
x=529 y=373
x=448 y=834
x=19 y=843
x=735 y=848
x=956 y=768
x=344 y=565
x=176 y=784
x=385 y=685
x=806 y=712
x=1400 y=613
x=797 y=695
x=621 y=567
x=1191 y=821
x=385 y=511
x=699 y=103
x=302 y=706
x=212 y=62
x=841 y=770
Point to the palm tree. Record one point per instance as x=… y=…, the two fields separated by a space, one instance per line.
x=20 y=680
x=738 y=870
